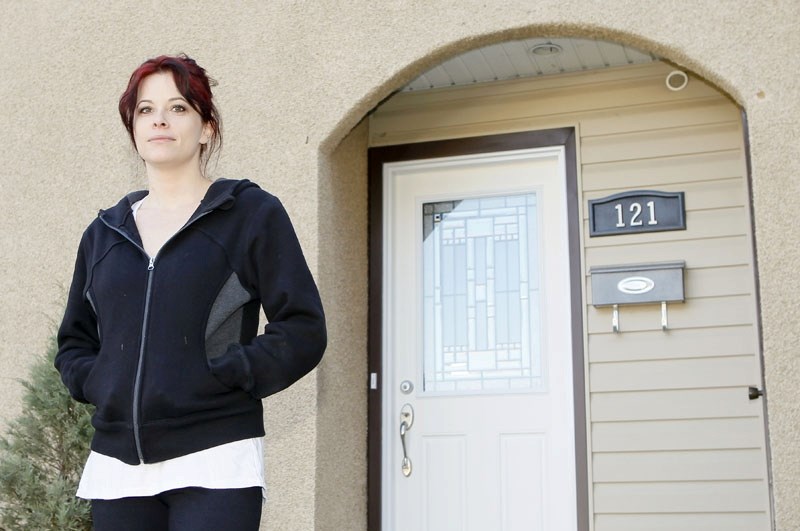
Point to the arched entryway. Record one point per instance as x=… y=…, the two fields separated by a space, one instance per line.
x=643 y=381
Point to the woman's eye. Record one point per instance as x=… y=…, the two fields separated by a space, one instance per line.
x=178 y=108
x=145 y=110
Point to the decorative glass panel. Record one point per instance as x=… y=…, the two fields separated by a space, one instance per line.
x=481 y=295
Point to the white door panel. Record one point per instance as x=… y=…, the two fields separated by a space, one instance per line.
x=477 y=320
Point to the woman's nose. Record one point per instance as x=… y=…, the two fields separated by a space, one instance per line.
x=159 y=120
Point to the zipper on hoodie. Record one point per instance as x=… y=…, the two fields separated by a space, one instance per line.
x=137 y=384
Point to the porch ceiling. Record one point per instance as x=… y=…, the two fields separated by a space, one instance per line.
x=528 y=58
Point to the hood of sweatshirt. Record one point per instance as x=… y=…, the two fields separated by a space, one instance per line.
x=220 y=195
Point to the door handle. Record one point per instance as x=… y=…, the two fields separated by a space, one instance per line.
x=406 y=420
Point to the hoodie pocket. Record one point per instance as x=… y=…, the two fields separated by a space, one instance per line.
x=109 y=385
x=178 y=383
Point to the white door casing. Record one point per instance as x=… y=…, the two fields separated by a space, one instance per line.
x=476 y=317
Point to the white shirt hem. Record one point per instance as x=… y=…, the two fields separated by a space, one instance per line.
x=239 y=464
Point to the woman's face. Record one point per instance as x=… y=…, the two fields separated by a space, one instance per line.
x=167 y=130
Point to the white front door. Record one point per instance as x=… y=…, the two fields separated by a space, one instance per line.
x=477 y=345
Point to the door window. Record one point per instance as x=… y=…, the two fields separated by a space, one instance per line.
x=481 y=296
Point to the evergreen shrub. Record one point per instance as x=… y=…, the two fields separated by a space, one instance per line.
x=42 y=455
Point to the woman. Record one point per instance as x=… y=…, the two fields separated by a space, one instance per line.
x=160 y=329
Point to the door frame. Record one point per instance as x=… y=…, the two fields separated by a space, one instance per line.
x=377 y=156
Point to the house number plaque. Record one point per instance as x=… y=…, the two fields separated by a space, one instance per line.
x=636 y=211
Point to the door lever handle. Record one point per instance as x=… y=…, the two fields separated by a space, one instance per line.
x=406 y=420
x=406 y=465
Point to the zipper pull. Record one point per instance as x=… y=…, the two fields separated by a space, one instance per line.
x=150 y=266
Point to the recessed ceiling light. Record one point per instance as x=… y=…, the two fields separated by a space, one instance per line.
x=547 y=48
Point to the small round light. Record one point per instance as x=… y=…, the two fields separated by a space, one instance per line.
x=676 y=80
x=547 y=48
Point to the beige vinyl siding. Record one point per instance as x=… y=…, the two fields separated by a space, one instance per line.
x=675 y=443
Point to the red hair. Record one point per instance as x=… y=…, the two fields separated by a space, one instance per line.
x=194 y=85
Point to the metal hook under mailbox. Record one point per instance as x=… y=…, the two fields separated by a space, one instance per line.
x=615 y=317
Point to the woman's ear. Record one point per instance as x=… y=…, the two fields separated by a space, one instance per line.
x=208 y=132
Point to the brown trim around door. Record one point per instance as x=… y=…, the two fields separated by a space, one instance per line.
x=377 y=157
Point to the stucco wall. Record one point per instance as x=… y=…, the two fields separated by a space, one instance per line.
x=295 y=77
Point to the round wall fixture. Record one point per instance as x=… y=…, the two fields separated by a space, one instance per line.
x=677 y=80
x=547 y=48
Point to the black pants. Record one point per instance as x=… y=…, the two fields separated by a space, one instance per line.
x=189 y=509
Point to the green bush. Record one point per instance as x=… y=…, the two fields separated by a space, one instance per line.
x=42 y=455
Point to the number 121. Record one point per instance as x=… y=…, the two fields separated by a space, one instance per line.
x=636 y=214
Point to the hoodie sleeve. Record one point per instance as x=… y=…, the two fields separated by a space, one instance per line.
x=295 y=338
x=78 y=340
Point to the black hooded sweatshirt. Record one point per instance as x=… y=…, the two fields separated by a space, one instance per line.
x=167 y=348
